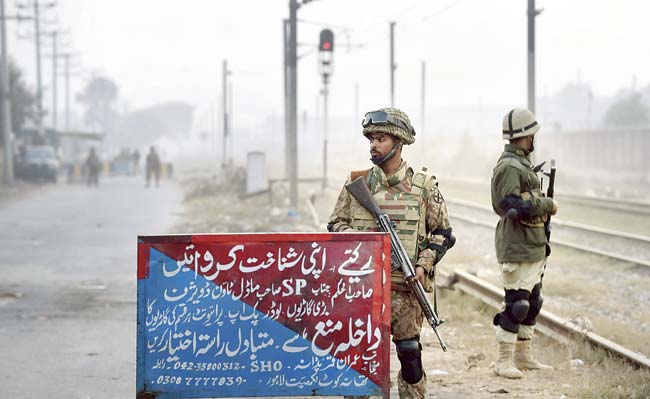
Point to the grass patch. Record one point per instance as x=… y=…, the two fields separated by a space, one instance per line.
x=606 y=377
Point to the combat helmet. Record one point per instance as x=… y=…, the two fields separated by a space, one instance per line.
x=519 y=122
x=390 y=121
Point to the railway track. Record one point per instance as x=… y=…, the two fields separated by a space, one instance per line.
x=548 y=323
x=627 y=247
x=638 y=207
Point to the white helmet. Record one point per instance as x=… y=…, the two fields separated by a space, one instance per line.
x=519 y=122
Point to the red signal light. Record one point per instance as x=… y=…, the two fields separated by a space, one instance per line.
x=327 y=45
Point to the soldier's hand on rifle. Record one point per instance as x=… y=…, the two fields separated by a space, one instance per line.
x=555 y=207
x=419 y=274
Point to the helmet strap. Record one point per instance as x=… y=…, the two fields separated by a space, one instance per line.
x=385 y=158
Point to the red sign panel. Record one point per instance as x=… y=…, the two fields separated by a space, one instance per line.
x=263 y=315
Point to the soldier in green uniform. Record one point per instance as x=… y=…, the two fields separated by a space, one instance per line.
x=521 y=243
x=414 y=203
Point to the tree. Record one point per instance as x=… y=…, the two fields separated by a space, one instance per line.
x=23 y=101
x=628 y=111
x=144 y=126
x=99 y=97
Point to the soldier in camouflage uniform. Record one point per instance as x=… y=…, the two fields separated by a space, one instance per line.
x=414 y=203
x=521 y=243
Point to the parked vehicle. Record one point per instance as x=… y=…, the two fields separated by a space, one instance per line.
x=37 y=162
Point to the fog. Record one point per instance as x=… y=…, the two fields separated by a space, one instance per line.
x=589 y=56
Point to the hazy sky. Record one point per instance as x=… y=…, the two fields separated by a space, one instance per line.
x=475 y=50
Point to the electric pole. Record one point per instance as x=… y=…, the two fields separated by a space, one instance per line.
x=355 y=119
x=39 y=80
x=532 y=13
x=423 y=97
x=5 y=100
x=66 y=69
x=392 y=64
x=5 y=109
x=292 y=134
x=224 y=113
x=66 y=79
x=36 y=11
x=55 y=62
x=285 y=75
x=292 y=103
x=326 y=56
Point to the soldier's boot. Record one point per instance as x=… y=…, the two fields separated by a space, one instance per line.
x=524 y=359
x=504 y=366
x=411 y=391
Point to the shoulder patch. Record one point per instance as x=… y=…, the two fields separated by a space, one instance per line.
x=436 y=195
x=355 y=174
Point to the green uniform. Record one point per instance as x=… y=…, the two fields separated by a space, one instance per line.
x=519 y=239
x=520 y=242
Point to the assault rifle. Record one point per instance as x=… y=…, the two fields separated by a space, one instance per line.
x=550 y=192
x=360 y=191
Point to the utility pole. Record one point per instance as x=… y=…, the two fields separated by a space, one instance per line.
x=285 y=76
x=325 y=133
x=292 y=134
x=39 y=81
x=356 y=104
x=5 y=109
x=532 y=13
x=55 y=36
x=55 y=62
x=66 y=76
x=392 y=64
x=423 y=97
x=230 y=122
x=326 y=56
x=5 y=100
x=66 y=68
x=224 y=87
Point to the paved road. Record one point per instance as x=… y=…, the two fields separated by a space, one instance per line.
x=68 y=287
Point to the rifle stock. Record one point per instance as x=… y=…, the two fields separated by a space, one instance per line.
x=359 y=190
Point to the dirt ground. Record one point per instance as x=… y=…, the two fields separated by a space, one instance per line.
x=465 y=370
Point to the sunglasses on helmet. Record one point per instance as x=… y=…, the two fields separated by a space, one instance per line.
x=379 y=117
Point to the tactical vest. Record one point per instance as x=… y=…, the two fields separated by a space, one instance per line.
x=405 y=204
x=530 y=188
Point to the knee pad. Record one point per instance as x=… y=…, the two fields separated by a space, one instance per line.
x=516 y=311
x=536 y=302
x=409 y=353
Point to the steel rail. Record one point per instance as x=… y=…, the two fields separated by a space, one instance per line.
x=616 y=204
x=563 y=243
x=548 y=323
x=631 y=206
x=559 y=222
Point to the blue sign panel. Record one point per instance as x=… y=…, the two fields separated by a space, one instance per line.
x=263 y=315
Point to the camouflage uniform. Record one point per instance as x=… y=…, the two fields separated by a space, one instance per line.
x=414 y=203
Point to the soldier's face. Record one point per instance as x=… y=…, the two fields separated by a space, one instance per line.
x=380 y=144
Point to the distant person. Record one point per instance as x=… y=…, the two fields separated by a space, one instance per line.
x=153 y=165
x=521 y=244
x=136 y=161
x=92 y=167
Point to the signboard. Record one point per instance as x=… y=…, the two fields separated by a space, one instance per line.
x=240 y=315
x=257 y=180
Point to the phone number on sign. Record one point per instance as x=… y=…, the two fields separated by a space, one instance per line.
x=191 y=366
x=199 y=381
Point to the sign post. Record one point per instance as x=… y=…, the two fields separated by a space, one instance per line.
x=240 y=315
